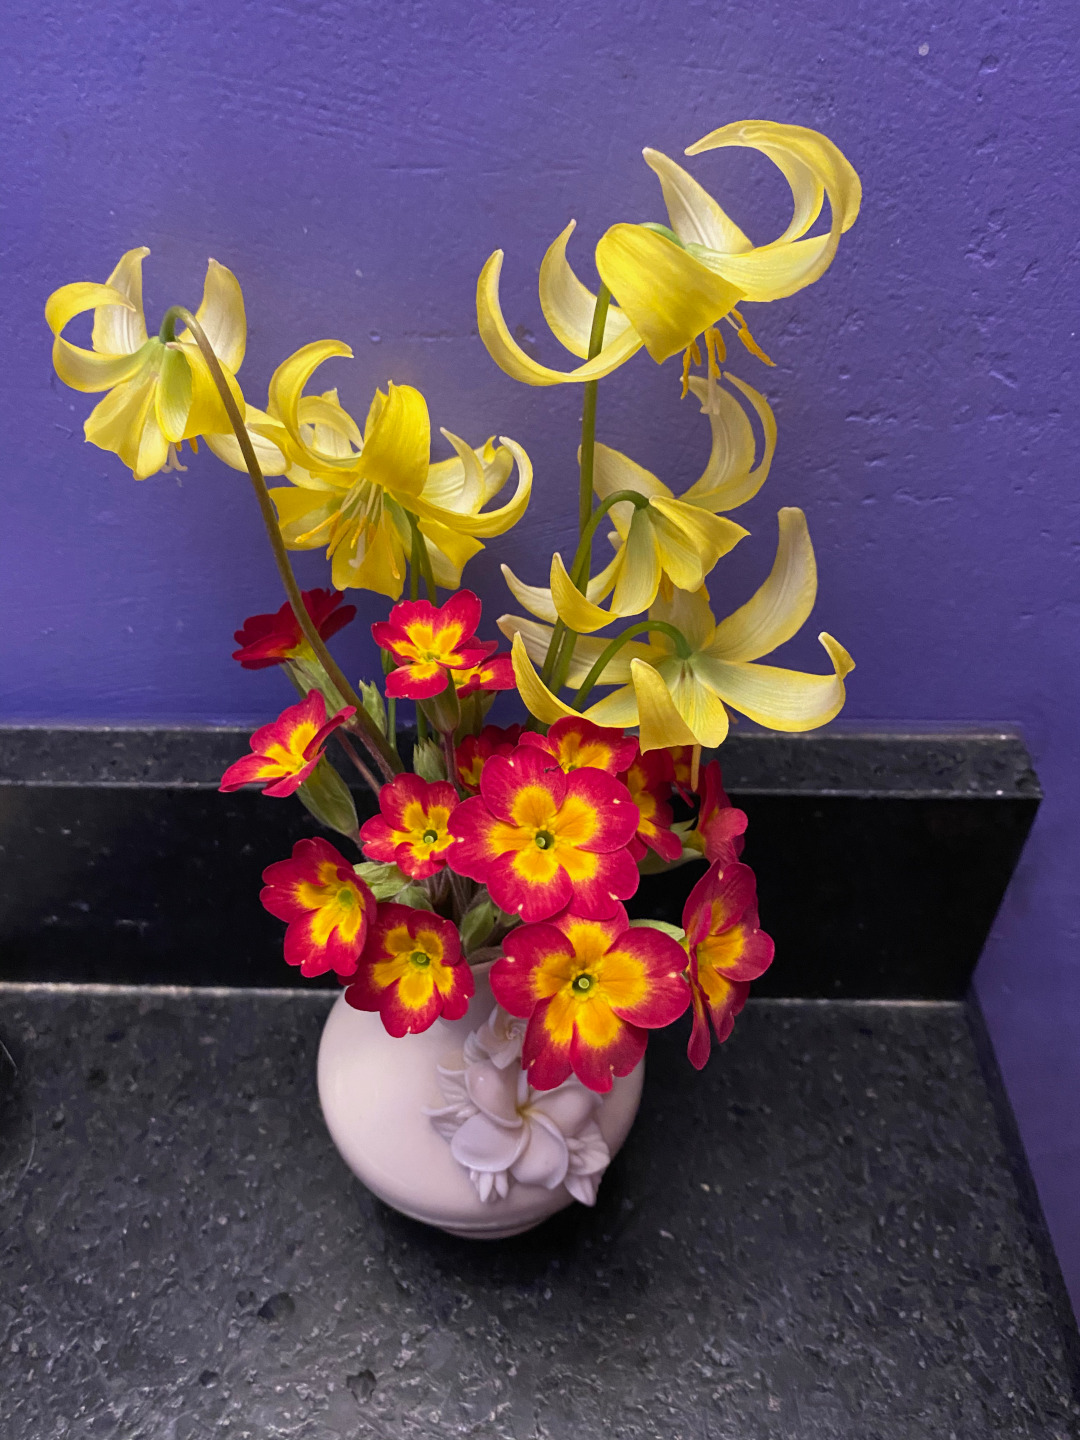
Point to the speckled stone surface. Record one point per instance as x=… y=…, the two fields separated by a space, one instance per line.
x=819 y=1237
x=946 y=763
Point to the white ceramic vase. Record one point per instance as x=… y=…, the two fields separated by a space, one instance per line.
x=444 y=1127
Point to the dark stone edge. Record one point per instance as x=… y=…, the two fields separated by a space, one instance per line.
x=966 y=763
x=1030 y=1204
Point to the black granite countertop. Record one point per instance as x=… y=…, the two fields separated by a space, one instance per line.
x=823 y=1235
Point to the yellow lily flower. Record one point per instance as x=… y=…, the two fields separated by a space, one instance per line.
x=683 y=700
x=354 y=492
x=814 y=169
x=671 y=288
x=160 y=388
x=669 y=541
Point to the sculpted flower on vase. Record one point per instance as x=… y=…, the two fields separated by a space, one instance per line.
x=503 y=1131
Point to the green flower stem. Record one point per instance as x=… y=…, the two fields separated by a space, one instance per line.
x=579 y=572
x=421 y=559
x=361 y=722
x=414 y=594
x=559 y=636
x=391 y=701
x=610 y=651
x=588 y=410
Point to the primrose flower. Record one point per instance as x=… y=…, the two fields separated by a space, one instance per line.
x=682 y=700
x=160 y=388
x=412 y=832
x=411 y=971
x=326 y=905
x=591 y=990
x=577 y=744
x=649 y=781
x=494 y=673
x=354 y=492
x=727 y=950
x=672 y=285
x=286 y=752
x=428 y=641
x=720 y=826
x=473 y=752
x=267 y=640
x=540 y=839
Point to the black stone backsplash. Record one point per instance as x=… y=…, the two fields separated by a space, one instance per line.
x=881 y=857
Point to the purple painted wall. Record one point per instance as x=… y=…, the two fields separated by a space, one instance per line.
x=355 y=165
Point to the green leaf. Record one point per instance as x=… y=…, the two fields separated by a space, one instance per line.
x=428 y=760
x=385 y=882
x=477 y=924
x=307 y=674
x=415 y=895
x=327 y=796
x=374 y=703
x=675 y=931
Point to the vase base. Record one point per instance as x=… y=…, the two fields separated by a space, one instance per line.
x=374 y=1090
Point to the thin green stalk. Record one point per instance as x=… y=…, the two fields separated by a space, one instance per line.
x=585 y=471
x=420 y=556
x=414 y=594
x=361 y=722
x=610 y=651
x=588 y=410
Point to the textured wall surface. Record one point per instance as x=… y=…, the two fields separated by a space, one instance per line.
x=355 y=165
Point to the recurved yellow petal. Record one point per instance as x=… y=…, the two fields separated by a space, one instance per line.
x=86 y=370
x=207 y=414
x=270 y=455
x=730 y=477
x=302 y=511
x=813 y=166
x=172 y=399
x=781 y=699
x=124 y=422
x=121 y=329
x=660 y=722
x=537 y=637
x=539 y=700
x=397 y=449
x=487 y=524
x=287 y=386
x=221 y=315
x=573 y=608
x=508 y=354
x=568 y=305
x=689 y=541
x=450 y=551
x=694 y=214
x=668 y=295
x=783 y=603
x=637 y=575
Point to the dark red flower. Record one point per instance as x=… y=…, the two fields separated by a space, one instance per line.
x=267 y=640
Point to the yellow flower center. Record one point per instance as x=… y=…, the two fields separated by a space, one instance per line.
x=421 y=959
x=582 y=983
x=543 y=839
x=430 y=836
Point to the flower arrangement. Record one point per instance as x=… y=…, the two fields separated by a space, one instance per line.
x=520 y=844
